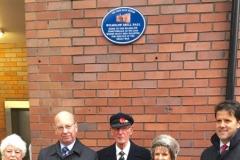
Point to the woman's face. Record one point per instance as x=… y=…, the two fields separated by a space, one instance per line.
x=12 y=153
x=161 y=153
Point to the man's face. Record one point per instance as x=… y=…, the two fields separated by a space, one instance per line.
x=66 y=129
x=226 y=125
x=122 y=135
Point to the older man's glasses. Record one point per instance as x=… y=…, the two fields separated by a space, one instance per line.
x=65 y=127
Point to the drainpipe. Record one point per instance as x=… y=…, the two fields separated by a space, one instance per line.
x=231 y=73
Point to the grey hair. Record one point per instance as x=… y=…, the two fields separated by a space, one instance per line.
x=168 y=142
x=15 y=141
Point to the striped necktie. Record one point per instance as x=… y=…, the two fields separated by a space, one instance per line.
x=121 y=155
x=65 y=151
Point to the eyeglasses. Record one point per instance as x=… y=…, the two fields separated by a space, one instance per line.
x=67 y=127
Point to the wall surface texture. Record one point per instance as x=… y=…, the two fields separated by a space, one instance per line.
x=169 y=80
x=13 y=77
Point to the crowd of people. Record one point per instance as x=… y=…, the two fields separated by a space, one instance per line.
x=225 y=141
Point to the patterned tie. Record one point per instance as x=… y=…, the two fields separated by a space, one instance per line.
x=121 y=155
x=65 y=151
x=223 y=148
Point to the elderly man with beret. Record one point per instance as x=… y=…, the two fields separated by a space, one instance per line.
x=123 y=148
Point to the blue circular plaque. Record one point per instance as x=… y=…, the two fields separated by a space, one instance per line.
x=123 y=25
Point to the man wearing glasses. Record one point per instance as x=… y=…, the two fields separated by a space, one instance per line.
x=124 y=148
x=68 y=146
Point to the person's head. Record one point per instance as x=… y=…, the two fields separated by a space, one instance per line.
x=121 y=128
x=227 y=116
x=65 y=127
x=164 y=147
x=13 y=148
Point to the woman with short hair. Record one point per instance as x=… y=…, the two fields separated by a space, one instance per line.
x=165 y=147
x=13 y=148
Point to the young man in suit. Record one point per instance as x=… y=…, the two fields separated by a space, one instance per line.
x=123 y=148
x=226 y=140
x=68 y=146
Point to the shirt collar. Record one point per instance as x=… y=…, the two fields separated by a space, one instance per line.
x=221 y=144
x=70 y=146
x=125 y=149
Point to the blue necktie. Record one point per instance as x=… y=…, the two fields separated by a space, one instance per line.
x=65 y=151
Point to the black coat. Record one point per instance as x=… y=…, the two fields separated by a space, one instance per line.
x=213 y=152
x=78 y=152
x=135 y=153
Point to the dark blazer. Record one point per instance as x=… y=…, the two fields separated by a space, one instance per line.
x=78 y=152
x=135 y=153
x=212 y=152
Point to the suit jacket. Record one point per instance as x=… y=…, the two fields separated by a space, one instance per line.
x=78 y=152
x=135 y=153
x=212 y=152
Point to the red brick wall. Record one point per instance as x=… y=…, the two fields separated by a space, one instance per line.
x=169 y=80
x=13 y=77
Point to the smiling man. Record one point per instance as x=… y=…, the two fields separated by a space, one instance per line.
x=68 y=146
x=226 y=140
x=124 y=148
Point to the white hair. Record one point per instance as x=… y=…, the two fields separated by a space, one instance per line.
x=15 y=141
x=166 y=141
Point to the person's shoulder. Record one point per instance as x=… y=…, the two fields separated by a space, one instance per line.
x=83 y=147
x=208 y=152
x=106 y=149
x=49 y=148
x=139 y=148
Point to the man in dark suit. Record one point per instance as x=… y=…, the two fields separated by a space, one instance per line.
x=68 y=146
x=123 y=148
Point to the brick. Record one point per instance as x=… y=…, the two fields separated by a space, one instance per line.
x=108 y=93
x=172 y=28
x=194 y=100
x=170 y=47
x=84 y=23
x=182 y=74
x=152 y=2
x=65 y=5
x=193 y=46
x=149 y=10
x=196 y=65
x=145 y=66
x=84 y=93
x=132 y=75
x=185 y=37
x=60 y=42
x=96 y=68
x=120 y=84
x=155 y=126
x=182 y=92
x=119 y=101
x=209 y=91
x=163 y=19
x=159 y=38
x=210 y=74
x=170 y=83
x=156 y=92
x=184 y=56
x=186 y=18
x=132 y=58
x=107 y=3
x=60 y=60
x=144 y=101
x=157 y=57
x=144 y=48
x=67 y=14
x=108 y=76
x=214 y=17
x=108 y=58
x=84 y=41
x=94 y=13
x=169 y=101
x=199 y=27
x=157 y=75
x=84 y=59
x=85 y=76
x=199 y=8
x=120 y=67
x=92 y=32
x=84 y=4
x=131 y=92
x=69 y=32
x=96 y=85
x=145 y=84
x=173 y=9
x=196 y=83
